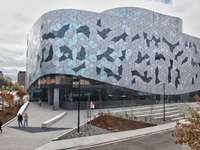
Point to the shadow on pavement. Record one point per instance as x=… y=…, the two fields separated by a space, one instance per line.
x=37 y=129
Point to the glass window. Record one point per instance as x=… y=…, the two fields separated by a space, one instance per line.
x=75 y=81
x=53 y=80
x=48 y=80
x=57 y=79
x=44 y=80
x=39 y=82
x=69 y=80
x=63 y=80
x=85 y=82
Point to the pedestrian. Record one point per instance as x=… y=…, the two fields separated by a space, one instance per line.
x=20 y=119
x=25 y=119
x=0 y=125
x=40 y=101
x=54 y=107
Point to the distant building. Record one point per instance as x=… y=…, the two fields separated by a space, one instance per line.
x=21 y=78
x=1 y=74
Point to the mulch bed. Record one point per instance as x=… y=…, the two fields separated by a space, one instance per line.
x=117 y=124
x=7 y=115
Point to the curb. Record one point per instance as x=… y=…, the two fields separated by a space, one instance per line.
x=53 y=120
x=8 y=122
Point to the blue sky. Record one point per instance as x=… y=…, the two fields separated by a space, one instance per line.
x=166 y=1
x=18 y=16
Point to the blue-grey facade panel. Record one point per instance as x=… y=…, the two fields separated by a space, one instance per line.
x=129 y=47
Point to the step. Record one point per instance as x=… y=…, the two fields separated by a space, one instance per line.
x=157 y=111
x=168 y=116
x=53 y=120
x=158 y=114
x=175 y=119
x=148 y=109
x=151 y=112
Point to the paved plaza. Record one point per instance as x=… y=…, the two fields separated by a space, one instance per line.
x=34 y=135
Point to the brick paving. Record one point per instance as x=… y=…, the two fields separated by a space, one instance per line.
x=34 y=135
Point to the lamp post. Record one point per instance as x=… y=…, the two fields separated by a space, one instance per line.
x=79 y=106
x=164 y=102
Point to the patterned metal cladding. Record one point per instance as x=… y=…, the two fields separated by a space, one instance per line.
x=129 y=47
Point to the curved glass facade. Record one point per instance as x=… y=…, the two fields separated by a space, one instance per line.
x=119 y=54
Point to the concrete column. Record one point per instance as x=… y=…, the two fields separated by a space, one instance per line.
x=49 y=96
x=88 y=96
x=162 y=99
x=56 y=97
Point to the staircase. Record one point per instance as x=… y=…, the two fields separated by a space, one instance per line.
x=155 y=112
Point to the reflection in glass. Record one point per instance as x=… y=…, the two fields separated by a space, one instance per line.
x=58 y=79
x=48 y=80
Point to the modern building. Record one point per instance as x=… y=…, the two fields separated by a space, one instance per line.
x=128 y=53
x=1 y=74
x=21 y=78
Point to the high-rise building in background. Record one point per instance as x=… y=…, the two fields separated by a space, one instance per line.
x=21 y=78
x=1 y=74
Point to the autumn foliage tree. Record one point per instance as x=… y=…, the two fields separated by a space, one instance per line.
x=9 y=99
x=20 y=93
x=2 y=95
x=188 y=133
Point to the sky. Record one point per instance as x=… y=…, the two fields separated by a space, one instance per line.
x=18 y=16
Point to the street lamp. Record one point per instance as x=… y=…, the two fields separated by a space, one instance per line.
x=164 y=102
x=79 y=106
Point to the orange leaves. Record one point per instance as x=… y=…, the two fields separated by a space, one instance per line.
x=20 y=93
x=197 y=97
x=189 y=132
x=2 y=94
x=9 y=97
x=110 y=122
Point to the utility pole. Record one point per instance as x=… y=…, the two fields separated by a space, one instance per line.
x=79 y=106
x=164 y=102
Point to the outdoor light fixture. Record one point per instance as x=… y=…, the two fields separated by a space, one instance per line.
x=164 y=102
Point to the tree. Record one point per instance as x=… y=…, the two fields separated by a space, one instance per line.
x=3 y=82
x=2 y=87
x=8 y=78
x=10 y=84
x=7 y=88
x=16 y=86
x=9 y=99
x=2 y=95
x=189 y=132
x=20 y=93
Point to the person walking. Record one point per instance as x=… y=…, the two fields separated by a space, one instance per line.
x=20 y=119
x=25 y=119
x=0 y=125
x=40 y=102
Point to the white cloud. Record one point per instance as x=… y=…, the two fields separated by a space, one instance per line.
x=18 y=16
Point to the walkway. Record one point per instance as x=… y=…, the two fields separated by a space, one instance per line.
x=34 y=135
